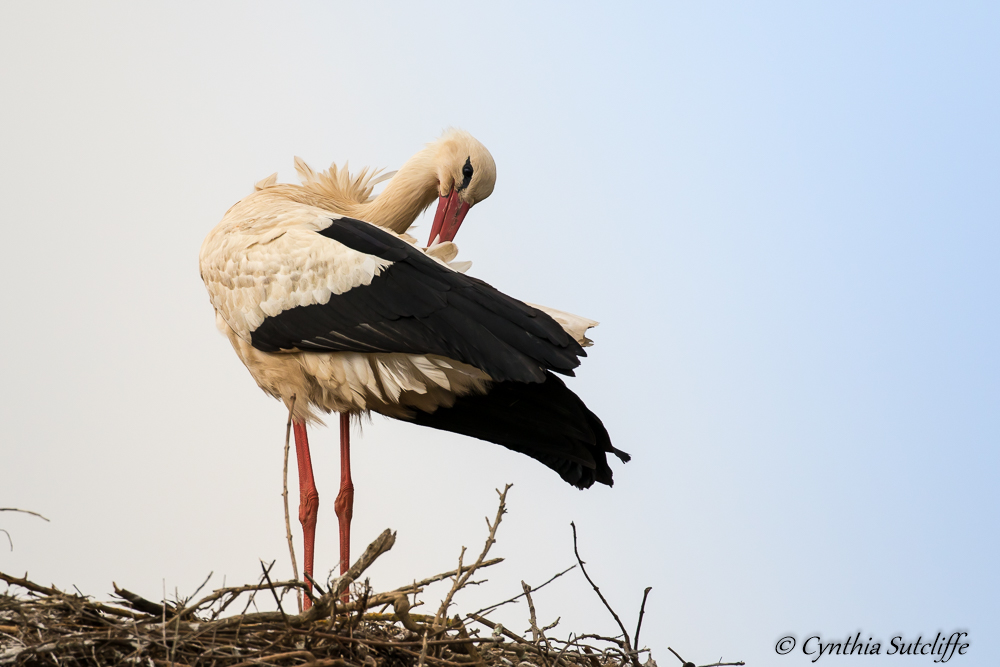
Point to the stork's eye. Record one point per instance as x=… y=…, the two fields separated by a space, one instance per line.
x=466 y=174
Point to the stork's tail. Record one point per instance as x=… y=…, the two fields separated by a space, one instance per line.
x=546 y=421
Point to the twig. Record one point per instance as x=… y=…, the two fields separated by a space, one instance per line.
x=284 y=497
x=267 y=578
x=177 y=631
x=183 y=609
x=642 y=610
x=29 y=585
x=383 y=599
x=524 y=644
x=140 y=603
x=235 y=591
x=314 y=583
x=306 y=655
x=396 y=647
x=458 y=641
x=445 y=575
x=322 y=606
x=462 y=579
x=14 y=509
x=198 y=590
x=628 y=643
x=401 y=606
x=564 y=648
x=537 y=635
x=714 y=664
x=379 y=546
x=493 y=607
x=455 y=586
x=366 y=593
x=686 y=663
x=504 y=631
x=35 y=588
x=164 y=623
x=594 y=662
x=423 y=651
x=469 y=647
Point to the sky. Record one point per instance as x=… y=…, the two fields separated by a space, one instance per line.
x=784 y=215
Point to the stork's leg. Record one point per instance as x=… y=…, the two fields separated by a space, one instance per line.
x=308 y=501
x=345 y=499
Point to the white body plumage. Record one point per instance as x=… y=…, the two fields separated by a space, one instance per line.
x=265 y=257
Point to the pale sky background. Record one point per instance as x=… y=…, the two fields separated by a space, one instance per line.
x=785 y=216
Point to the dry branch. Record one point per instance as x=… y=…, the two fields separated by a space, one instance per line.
x=714 y=664
x=462 y=579
x=642 y=612
x=14 y=509
x=140 y=603
x=628 y=644
x=492 y=607
x=284 y=500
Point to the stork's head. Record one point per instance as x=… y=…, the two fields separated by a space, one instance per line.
x=466 y=175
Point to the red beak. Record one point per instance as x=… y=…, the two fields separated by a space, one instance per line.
x=448 y=218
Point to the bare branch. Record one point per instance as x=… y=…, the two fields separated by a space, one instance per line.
x=14 y=509
x=504 y=631
x=537 y=635
x=267 y=577
x=642 y=611
x=714 y=664
x=445 y=575
x=235 y=591
x=462 y=580
x=628 y=644
x=686 y=663
x=284 y=498
x=140 y=603
x=379 y=546
x=486 y=610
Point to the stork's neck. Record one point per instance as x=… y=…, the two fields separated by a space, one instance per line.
x=410 y=191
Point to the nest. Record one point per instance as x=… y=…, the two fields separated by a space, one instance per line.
x=344 y=625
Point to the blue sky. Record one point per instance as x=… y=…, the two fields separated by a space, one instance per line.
x=785 y=217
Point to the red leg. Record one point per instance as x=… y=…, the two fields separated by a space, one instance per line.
x=308 y=501
x=345 y=499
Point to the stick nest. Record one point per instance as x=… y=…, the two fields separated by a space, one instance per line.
x=344 y=625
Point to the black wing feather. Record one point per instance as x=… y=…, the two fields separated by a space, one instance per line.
x=545 y=420
x=417 y=306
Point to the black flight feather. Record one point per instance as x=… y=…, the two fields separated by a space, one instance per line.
x=544 y=420
x=418 y=306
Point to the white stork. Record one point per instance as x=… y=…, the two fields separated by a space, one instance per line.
x=332 y=309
